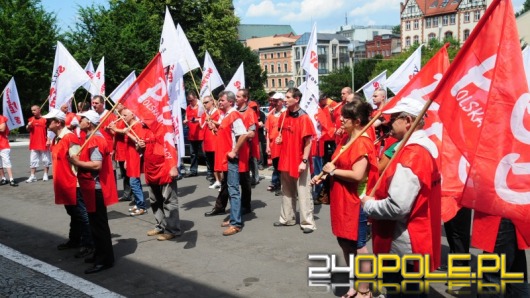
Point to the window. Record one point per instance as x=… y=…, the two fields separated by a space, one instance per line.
x=452 y=19
x=272 y=83
x=279 y=67
x=285 y=67
x=428 y=22
x=407 y=25
x=448 y=34
x=416 y=39
x=265 y=68
x=435 y=22
x=266 y=83
x=407 y=41
x=432 y=36
x=297 y=54
x=445 y=20
x=416 y=24
x=286 y=82
x=279 y=82
x=466 y=34
x=272 y=68
x=284 y=54
x=477 y=15
x=278 y=55
x=466 y=17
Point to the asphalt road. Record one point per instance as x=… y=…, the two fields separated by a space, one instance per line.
x=260 y=261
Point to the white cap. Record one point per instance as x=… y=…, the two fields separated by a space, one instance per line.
x=408 y=105
x=278 y=95
x=91 y=115
x=55 y=114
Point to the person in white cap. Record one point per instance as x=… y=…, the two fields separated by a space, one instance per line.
x=98 y=188
x=65 y=144
x=271 y=127
x=406 y=209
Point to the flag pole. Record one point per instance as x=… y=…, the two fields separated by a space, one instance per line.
x=402 y=144
x=47 y=98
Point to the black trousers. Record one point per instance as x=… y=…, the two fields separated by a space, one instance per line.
x=127 y=193
x=99 y=225
x=458 y=231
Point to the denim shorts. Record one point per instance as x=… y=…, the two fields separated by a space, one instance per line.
x=363 y=229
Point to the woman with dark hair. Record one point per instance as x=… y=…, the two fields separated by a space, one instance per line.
x=353 y=175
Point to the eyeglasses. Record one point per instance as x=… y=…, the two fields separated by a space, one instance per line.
x=205 y=102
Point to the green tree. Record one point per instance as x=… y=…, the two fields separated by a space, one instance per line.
x=29 y=36
x=396 y=30
x=526 y=7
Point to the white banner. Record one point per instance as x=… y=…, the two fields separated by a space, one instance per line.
x=238 y=80
x=177 y=102
x=310 y=94
x=169 y=42
x=405 y=72
x=11 y=106
x=89 y=69
x=188 y=61
x=122 y=87
x=98 y=80
x=370 y=87
x=210 y=77
x=526 y=63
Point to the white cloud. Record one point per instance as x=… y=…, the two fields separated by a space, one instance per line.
x=262 y=9
x=315 y=9
x=373 y=6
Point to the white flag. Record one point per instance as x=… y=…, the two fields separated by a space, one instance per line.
x=11 y=106
x=177 y=102
x=378 y=82
x=122 y=87
x=98 y=80
x=168 y=42
x=405 y=72
x=89 y=69
x=67 y=76
x=526 y=63
x=238 y=80
x=310 y=94
x=210 y=77
x=187 y=59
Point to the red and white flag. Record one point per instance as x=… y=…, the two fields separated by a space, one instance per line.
x=123 y=86
x=168 y=41
x=485 y=107
x=526 y=63
x=238 y=80
x=147 y=98
x=210 y=77
x=11 y=106
x=399 y=78
x=97 y=87
x=177 y=102
x=376 y=83
x=67 y=76
x=89 y=69
x=310 y=92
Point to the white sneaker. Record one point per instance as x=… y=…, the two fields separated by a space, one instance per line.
x=45 y=177
x=217 y=184
x=31 y=179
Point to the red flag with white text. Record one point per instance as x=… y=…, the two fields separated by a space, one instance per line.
x=485 y=107
x=147 y=98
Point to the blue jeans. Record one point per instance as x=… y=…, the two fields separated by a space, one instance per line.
x=233 y=192
x=136 y=188
x=515 y=262
x=317 y=169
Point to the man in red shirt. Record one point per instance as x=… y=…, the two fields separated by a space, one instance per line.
x=296 y=133
x=98 y=105
x=5 y=150
x=39 y=151
x=250 y=120
x=120 y=151
x=195 y=135
x=272 y=127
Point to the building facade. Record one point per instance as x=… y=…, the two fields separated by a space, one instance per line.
x=386 y=45
x=276 y=61
x=422 y=20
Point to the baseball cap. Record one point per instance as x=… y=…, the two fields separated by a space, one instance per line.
x=408 y=105
x=91 y=115
x=55 y=114
x=278 y=95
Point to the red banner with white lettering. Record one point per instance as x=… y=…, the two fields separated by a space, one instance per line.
x=485 y=107
x=147 y=98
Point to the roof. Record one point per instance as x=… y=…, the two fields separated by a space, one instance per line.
x=271 y=41
x=247 y=31
x=436 y=7
x=321 y=38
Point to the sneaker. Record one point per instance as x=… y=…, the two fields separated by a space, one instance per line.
x=84 y=252
x=138 y=212
x=31 y=179
x=216 y=185
x=4 y=182
x=133 y=209
x=13 y=183
x=45 y=177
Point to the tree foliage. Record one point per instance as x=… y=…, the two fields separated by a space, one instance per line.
x=526 y=7
x=29 y=36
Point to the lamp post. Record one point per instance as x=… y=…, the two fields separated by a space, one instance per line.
x=351 y=50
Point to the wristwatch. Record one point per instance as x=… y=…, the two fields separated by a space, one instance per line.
x=304 y=160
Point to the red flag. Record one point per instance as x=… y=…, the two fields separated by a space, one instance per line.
x=485 y=110
x=147 y=98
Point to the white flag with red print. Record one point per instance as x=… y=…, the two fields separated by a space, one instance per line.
x=238 y=80
x=310 y=94
x=177 y=102
x=485 y=107
x=526 y=63
x=89 y=69
x=98 y=80
x=168 y=41
x=399 y=78
x=123 y=86
x=147 y=98
x=210 y=77
x=11 y=106
x=376 y=83
x=67 y=76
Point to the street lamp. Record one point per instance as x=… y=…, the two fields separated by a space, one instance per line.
x=351 y=50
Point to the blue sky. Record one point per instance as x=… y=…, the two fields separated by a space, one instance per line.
x=300 y=14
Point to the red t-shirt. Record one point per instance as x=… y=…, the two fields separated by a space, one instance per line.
x=132 y=166
x=195 y=131
x=4 y=139
x=64 y=179
x=156 y=167
x=107 y=134
x=120 y=146
x=249 y=119
x=37 y=133
x=209 y=138
x=271 y=125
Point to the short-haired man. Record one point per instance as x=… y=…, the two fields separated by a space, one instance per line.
x=120 y=151
x=208 y=119
x=98 y=188
x=272 y=127
x=5 y=151
x=195 y=135
x=295 y=139
x=250 y=120
x=38 y=144
x=406 y=209
x=98 y=105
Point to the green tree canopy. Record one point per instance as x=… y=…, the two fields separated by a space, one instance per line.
x=526 y=7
